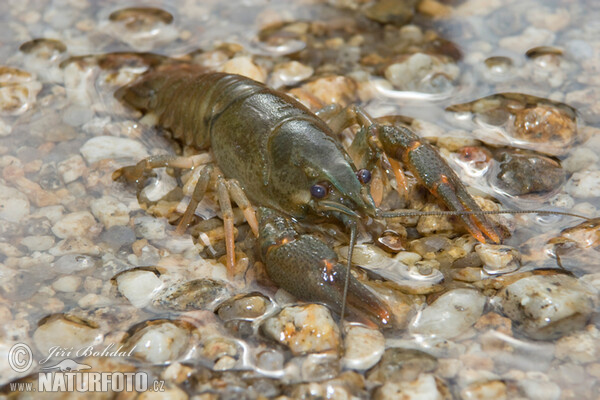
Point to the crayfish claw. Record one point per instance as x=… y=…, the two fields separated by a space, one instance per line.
x=307 y=268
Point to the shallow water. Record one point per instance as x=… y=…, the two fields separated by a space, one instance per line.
x=507 y=90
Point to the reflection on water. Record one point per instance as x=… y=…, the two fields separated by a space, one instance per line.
x=507 y=91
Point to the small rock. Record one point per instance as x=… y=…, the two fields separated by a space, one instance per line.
x=450 y=315
x=76 y=225
x=139 y=286
x=71 y=263
x=103 y=147
x=248 y=307
x=547 y=307
x=539 y=390
x=160 y=341
x=38 y=243
x=580 y=158
x=197 y=294
x=244 y=65
x=66 y=332
x=579 y=347
x=67 y=284
x=399 y=364
x=489 y=390
x=14 y=205
x=289 y=74
x=110 y=211
x=72 y=168
x=75 y=246
x=149 y=228
x=584 y=184
x=363 y=347
x=424 y=387
x=498 y=259
x=304 y=329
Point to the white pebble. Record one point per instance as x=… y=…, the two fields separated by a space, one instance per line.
x=450 y=315
x=584 y=184
x=161 y=343
x=139 y=286
x=363 y=347
x=103 y=147
x=38 y=243
x=65 y=333
x=71 y=169
x=110 y=211
x=67 y=284
x=76 y=225
x=14 y=205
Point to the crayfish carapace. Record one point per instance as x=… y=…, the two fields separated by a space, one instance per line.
x=272 y=152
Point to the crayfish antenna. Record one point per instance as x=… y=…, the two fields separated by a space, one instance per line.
x=416 y=213
x=348 y=272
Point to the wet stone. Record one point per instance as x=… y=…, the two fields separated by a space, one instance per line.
x=71 y=263
x=426 y=386
x=160 y=341
x=103 y=147
x=489 y=390
x=584 y=184
x=304 y=329
x=14 y=205
x=139 y=286
x=528 y=173
x=247 y=307
x=110 y=211
x=399 y=364
x=118 y=236
x=498 y=259
x=547 y=307
x=364 y=347
x=66 y=332
x=193 y=295
x=76 y=225
x=450 y=315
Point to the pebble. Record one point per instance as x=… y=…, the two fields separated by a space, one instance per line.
x=118 y=236
x=14 y=205
x=149 y=227
x=110 y=211
x=579 y=347
x=547 y=307
x=498 y=259
x=489 y=390
x=423 y=388
x=139 y=286
x=103 y=147
x=244 y=65
x=72 y=168
x=247 y=307
x=584 y=184
x=530 y=38
x=197 y=294
x=400 y=364
x=71 y=263
x=66 y=332
x=579 y=158
x=38 y=243
x=450 y=315
x=289 y=74
x=539 y=390
x=75 y=246
x=160 y=342
x=76 y=225
x=364 y=347
x=67 y=284
x=304 y=329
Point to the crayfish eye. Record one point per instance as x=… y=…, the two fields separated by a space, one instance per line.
x=364 y=176
x=318 y=190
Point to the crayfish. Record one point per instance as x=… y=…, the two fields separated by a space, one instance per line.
x=270 y=151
